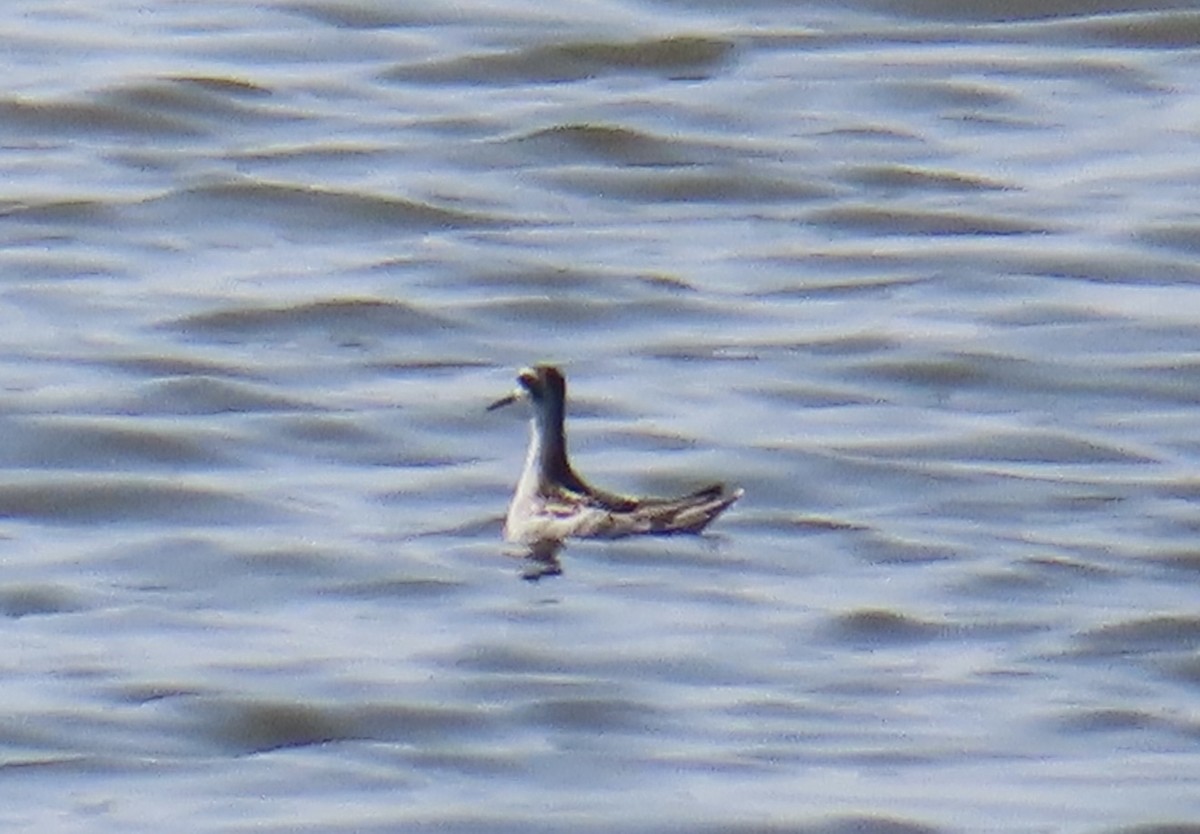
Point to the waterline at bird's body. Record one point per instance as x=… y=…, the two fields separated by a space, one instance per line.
x=552 y=503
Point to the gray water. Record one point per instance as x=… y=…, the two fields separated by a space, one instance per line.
x=924 y=280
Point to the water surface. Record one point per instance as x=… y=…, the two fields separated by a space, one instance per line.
x=921 y=278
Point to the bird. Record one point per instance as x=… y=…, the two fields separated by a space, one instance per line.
x=552 y=502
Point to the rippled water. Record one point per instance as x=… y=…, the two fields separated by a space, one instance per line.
x=923 y=279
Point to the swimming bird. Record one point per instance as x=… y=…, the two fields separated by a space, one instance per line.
x=552 y=503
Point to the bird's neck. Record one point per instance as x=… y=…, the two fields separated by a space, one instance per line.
x=546 y=463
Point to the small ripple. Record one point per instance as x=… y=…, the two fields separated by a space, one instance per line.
x=1047 y=314
x=593 y=715
x=1136 y=269
x=925 y=95
x=255 y=726
x=580 y=312
x=102 y=499
x=1068 y=572
x=1107 y=721
x=1008 y=14
x=87 y=443
x=42 y=267
x=1183 y=237
x=40 y=599
x=75 y=211
x=472 y=764
x=855 y=824
x=1187 y=560
x=1158 y=828
x=578 y=280
x=279 y=562
x=874 y=825
x=868 y=219
x=1176 y=633
x=872 y=627
x=150 y=692
x=356 y=16
x=609 y=144
x=359 y=316
x=309 y=209
x=505 y=659
x=225 y=566
x=957 y=370
x=1006 y=584
x=325 y=153
x=75 y=118
x=673 y=58
x=1151 y=30
x=1123 y=720
x=788 y=521
x=880 y=549
x=1186 y=670
x=210 y=97
x=1034 y=576
x=895 y=177
x=687 y=185
x=1000 y=373
x=812 y=396
x=161 y=365
x=871 y=133
x=1007 y=447
x=425 y=367
x=328 y=431
x=402 y=588
x=205 y=395
x=258 y=726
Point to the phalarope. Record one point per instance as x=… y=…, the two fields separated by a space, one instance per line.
x=552 y=503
